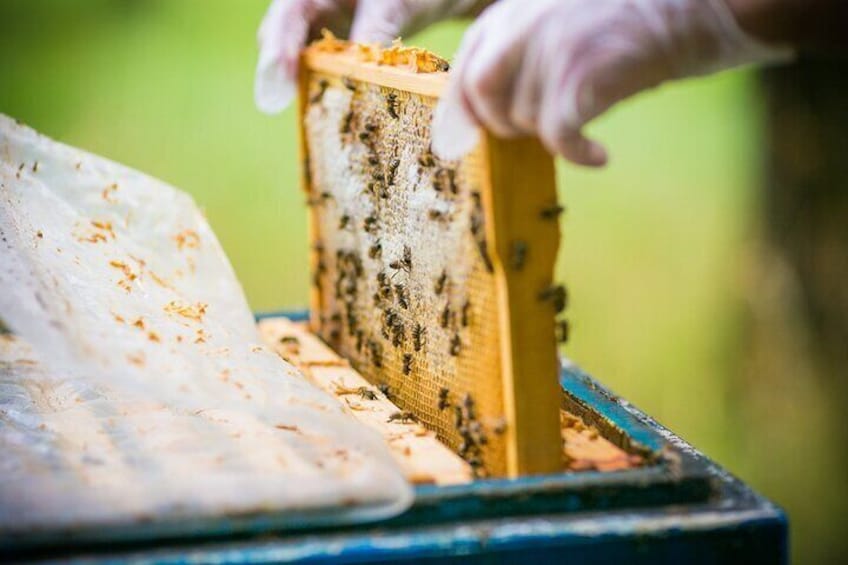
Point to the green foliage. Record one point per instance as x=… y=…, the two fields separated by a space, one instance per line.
x=654 y=247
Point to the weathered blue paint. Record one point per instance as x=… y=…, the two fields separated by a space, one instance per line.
x=679 y=508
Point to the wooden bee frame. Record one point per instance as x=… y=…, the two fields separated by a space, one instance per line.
x=487 y=385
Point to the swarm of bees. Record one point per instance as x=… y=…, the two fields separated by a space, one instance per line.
x=385 y=308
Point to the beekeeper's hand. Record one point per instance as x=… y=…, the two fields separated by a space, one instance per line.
x=289 y=24
x=548 y=67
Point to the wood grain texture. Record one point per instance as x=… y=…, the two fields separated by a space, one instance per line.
x=419 y=453
x=504 y=380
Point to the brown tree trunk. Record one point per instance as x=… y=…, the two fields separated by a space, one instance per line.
x=806 y=192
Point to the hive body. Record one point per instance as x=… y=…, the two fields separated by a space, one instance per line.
x=414 y=267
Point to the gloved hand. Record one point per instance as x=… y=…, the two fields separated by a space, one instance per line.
x=289 y=24
x=548 y=67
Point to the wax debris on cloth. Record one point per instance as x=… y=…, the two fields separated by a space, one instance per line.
x=136 y=386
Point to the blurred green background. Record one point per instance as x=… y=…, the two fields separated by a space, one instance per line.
x=676 y=302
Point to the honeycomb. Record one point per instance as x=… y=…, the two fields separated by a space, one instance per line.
x=432 y=277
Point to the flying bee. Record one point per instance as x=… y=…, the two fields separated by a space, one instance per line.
x=370 y=224
x=444 y=392
x=551 y=212
x=322 y=86
x=407 y=363
x=344 y=221
x=348 y=83
x=375 y=250
x=563 y=328
x=402 y=296
x=418 y=334
x=465 y=314
x=455 y=345
x=403 y=417
x=392 y=105
x=556 y=295
x=441 y=282
x=519 y=254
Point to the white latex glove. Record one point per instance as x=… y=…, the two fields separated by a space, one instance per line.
x=289 y=24
x=547 y=67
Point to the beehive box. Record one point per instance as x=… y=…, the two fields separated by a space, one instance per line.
x=434 y=278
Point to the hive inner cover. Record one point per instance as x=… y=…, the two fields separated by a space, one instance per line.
x=135 y=387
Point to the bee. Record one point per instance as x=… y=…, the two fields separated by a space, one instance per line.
x=444 y=318
x=344 y=221
x=551 y=212
x=499 y=426
x=289 y=340
x=402 y=296
x=322 y=86
x=357 y=265
x=455 y=345
x=385 y=389
x=364 y=136
x=441 y=282
x=476 y=224
x=366 y=393
x=375 y=250
x=426 y=159
x=403 y=417
x=468 y=406
x=382 y=278
x=405 y=263
x=386 y=292
x=391 y=317
x=519 y=254
x=370 y=224
x=360 y=340
x=373 y=160
x=377 y=176
x=398 y=334
x=407 y=363
x=418 y=334
x=370 y=128
x=335 y=335
x=437 y=215
x=336 y=317
x=444 y=392
x=477 y=199
x=465 y=314
x=348 y=118
x=376 y=353
x=348 y=83
x=562 y=331
x=557 y=295
x=326 y=196
x=393 y=167
x=351 y=319
x=483 y=247
x=392 y=105
x=444 y=180
x=458 y=417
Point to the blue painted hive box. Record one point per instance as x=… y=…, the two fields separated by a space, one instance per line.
x=678 y=507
